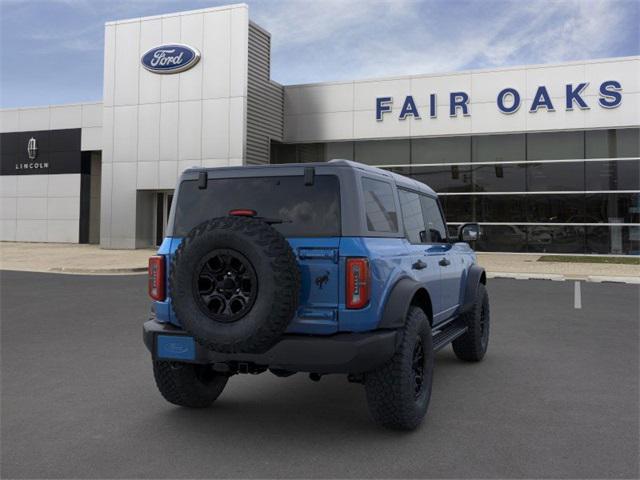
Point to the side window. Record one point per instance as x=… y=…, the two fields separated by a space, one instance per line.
x=436 y=231
x=412 y=216
x=380 y=208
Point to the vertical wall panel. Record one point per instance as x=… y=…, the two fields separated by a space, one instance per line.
x=170 y=84
x=191 y=34
x=149 y=83
x=216 y=63
x=126 y=63
x=108 y=80
x=265 y=100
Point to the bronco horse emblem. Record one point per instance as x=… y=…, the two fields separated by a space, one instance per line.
x=322 y=280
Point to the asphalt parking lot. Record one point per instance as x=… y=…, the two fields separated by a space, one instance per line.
x=557 y=396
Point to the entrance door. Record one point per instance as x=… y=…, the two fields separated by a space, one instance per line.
x=163 y=205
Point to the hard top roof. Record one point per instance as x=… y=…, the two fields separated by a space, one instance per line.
x=400 y=180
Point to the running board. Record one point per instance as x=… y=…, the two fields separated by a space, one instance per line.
x=446 y=335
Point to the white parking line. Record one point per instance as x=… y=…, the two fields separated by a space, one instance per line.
x=577 y=296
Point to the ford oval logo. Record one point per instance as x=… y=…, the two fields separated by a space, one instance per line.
x=177 y=348
x=173 y=58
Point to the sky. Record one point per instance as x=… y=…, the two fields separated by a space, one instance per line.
x=51 y=51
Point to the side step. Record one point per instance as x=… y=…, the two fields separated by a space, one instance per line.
x=447 y=334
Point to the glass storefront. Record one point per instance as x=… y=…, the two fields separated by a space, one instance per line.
x=560 y=192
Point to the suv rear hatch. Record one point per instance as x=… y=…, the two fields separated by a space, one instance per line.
x=306 y=211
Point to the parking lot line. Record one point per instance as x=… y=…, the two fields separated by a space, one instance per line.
x=577 y=295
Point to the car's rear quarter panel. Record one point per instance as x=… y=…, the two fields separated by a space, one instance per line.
x=322 y=262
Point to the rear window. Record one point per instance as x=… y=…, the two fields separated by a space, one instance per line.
x=306 y=210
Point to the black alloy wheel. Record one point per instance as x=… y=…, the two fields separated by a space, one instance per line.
x=225 y=285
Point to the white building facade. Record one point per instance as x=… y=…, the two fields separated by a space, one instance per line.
x=545 y=157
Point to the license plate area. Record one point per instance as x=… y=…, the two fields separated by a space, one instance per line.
x=175 y=347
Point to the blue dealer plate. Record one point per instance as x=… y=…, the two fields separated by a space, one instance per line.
x=177 y=347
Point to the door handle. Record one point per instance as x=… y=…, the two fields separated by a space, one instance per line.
x=419 y=265
x=444 y=262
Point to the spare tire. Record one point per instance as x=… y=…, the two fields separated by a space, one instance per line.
x=235 y=284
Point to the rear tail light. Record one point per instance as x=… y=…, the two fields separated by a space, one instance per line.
x=156 y=278
x=357 y=282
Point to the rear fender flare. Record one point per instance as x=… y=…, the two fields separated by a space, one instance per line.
x=403 y=294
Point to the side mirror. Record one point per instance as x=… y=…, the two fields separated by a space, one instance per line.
x=469 y=232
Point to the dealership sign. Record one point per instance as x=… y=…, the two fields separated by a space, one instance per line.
x=42 y=152
x=32 y=154
x=173 y=58
x=508 y=101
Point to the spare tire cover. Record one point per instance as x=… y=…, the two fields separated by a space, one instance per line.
x=234 y=284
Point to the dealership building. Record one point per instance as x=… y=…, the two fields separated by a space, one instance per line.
x=545 y=157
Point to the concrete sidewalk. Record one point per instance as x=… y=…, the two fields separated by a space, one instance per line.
x=90 y=259
x=71 y=258
x=525 y=266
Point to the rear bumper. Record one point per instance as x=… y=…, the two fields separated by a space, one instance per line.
x=339 y=353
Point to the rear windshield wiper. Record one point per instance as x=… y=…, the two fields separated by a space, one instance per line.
x=246 y=212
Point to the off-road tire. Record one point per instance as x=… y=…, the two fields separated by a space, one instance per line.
x=391 y=390
x=472 y=346
x=188 y=385
x=277 y=276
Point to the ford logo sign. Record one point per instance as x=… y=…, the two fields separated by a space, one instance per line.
x=173 y=58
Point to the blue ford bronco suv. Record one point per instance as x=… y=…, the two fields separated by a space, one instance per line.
x=333 y=267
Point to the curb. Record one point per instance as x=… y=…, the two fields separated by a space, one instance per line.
x=97 y=271
x=527 y=276
x=562 y=278
x=600 y=279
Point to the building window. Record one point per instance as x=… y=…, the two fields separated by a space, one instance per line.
x=380 y=207
x=555 y=145
x=499 y=178
x=503 y=238
x=310 y=152
x=500 y=208
x=339 y=150
x=613 y=143
x=615 y=240
x=499 y=148
x=283 y=153
x=613 y=207
x=549 y=208
x=444 y=178
x=560 y=177
x=612 y=175
x=511 y=178
x=459 y=208
x=440 y=150
x=383 y=152
x=297 y=153
x=556 y=239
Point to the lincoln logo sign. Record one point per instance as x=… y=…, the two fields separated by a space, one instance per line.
x=172 y=58
x=32 y=154
x=32 y=149
x=508 y=101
